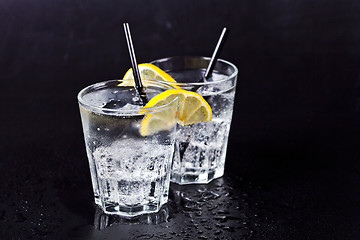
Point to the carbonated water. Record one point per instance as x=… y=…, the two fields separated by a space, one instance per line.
x=130 y=172
x=200 y=148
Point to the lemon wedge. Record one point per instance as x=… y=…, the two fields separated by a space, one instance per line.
x=147 y=71
x=192 y=108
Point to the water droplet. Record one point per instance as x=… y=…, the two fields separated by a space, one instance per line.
x=219 y=225
x=221 y=211
x=201 y=190
x=192 y=206
x=212 y=207
x=209 y=195
x=217 y=232
x=230 y=229
x=146 y=236
x=203 y=237
x=188 y=214
x=185 y=197
x=198 y=213
x=221 y=218
x=163 y=236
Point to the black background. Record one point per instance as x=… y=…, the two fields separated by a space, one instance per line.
x=293 y=150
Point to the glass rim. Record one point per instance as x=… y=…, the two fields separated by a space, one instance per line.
x=227 y=78
x=122 y=112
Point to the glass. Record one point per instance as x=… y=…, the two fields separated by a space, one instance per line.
x=200 y=148
x=130 y=173
x=103 y=220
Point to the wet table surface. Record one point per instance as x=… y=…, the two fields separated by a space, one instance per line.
x=304 y=202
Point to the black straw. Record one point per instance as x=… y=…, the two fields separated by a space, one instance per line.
x=215 y=55
x=138 y=84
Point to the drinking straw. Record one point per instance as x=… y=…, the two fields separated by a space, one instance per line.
x=138 y=84
x=215 y=55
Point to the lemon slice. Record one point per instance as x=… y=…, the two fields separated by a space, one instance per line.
x=147 y=71
x=192 y=108
x=162 y=120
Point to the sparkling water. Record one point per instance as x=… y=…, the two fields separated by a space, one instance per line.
x=130 y=172
x=200 y=149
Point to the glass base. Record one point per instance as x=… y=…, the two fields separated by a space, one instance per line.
x=113 y=208
x=129 y=212
x=103 y=220
x=196 y=176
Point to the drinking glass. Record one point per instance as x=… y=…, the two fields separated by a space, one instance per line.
x=200 y=149
x=130 y=172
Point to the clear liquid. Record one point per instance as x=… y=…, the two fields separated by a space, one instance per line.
x=130 y=173
x=200 y=149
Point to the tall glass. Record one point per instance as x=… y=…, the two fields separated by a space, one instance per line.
x=200 y=148
x=130 y=172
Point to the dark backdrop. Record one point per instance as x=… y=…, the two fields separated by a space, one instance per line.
x=296 y=119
